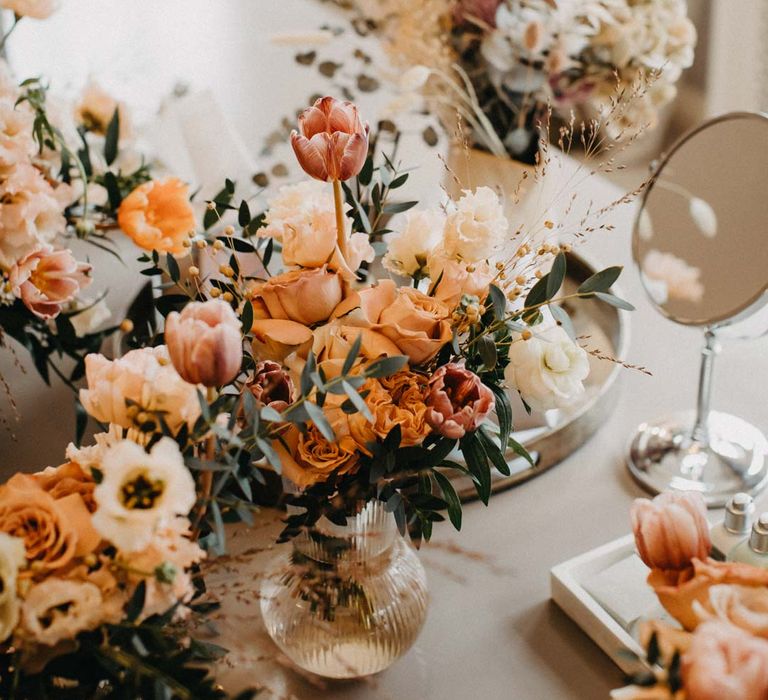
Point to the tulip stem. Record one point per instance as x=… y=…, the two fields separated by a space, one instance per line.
x=206 y=478
x=341 y=230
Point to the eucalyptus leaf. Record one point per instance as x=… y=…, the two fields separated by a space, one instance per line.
x=600 y=281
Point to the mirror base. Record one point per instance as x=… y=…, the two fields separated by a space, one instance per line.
x=663 y=456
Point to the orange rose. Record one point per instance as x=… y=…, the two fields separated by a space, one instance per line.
x=53 y=531
x=275 y=339
x=304 y=296
x=308 y=458
x=333 y=341
x=65 y=480
x=394 y=400
x=158 y=216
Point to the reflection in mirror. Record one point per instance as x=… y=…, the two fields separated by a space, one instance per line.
x=699 y=245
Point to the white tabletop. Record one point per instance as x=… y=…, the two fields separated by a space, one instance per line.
x=492 y=631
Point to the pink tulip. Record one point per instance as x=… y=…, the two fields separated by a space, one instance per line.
x=457 y=401
x=47 y=279
x=204 y=343
x=725 y=663
x=671 y=530
x=481 y=12
x=332 y=142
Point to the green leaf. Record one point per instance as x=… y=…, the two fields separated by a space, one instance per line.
x=271 y=455
x=498 y=300
x=246 y=318
x=398 y=207
x=321 y=422
x=486 y=348
x=477 y=463
x=306 y=383
x=244 y=214
x=600 y=281
x=503 y=413
x=357 y=400
x=614 y=301
x=451 y=498
x=136 y=603
x=366 y=173
x=518 y=449
x=354 y=351
x=112 y=137
x=563 y=319
x=556 y=275
x=385 y=366
x=493 y=452
x=536 y=297
x=173 y=267
x=113 y=190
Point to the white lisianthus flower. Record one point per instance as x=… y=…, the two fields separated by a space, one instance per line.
x=12 y=558
x=141 y=493
x=669 y=277
x=408 y=251
x=476 y=227
x=548 y=369
x=92 y=317
x=37 y=9
x=57 y=609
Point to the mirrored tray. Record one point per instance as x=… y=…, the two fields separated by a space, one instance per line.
x=552 y=436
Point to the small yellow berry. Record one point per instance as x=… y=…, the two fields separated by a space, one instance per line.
x=226 y=270
x=218 y=245
x=194 y=270
x=126 y=325
x=521 y=279
x=227 y=296
x=526 y=335
x=229 y=231
x=499 y=265
x=566 y=248
x=200 y=243
x=142 y=417
x=470 y=268
x=186 y=243
x=549 y=224
x=539 y=274
x=215 y=293
x=211 y=206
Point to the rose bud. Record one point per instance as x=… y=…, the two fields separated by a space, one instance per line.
x=47 y=279
x=457 y=401
x=204 y=343
x=271 y=385
x=332 y=142
x=671 y=530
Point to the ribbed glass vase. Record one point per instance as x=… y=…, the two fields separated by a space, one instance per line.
x=347 y=601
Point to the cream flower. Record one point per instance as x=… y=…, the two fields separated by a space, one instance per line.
x=547 y=369
x=141 y=493
x=452 y=279
x=670 y=278
x=57 y=609
x=476 y=227
x=96 y=108
x=409 y=249
x=12 y=558
x=294 y=206
x=147 y=378
x=16 y=142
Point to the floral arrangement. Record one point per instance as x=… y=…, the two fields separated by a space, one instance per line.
x=499 y=65
x=64 y=172
x=720 y=649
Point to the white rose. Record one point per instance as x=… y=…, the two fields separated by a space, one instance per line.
x=295 y=206
x=37 y=9
x=547 y=369
x=407 y=251
x=476 y=227
x=91 y=317
x=12 y=558
x=57 y=609
x=140 y=493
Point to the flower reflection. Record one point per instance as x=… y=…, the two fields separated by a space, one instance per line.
x=669 y=278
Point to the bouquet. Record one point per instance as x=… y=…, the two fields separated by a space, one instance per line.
x=500 y=65
x=64 y=172
x=720 y=649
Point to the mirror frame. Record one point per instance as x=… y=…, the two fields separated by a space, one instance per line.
x=761 y=297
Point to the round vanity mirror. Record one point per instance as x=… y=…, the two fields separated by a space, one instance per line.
x=699 y=243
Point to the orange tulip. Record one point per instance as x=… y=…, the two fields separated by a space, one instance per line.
x=332 y=142
x=158 y=216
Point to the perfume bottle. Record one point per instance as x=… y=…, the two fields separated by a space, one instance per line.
x=736 y=526
x=755 y=549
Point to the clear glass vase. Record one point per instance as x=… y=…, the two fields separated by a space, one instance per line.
x=346 y=601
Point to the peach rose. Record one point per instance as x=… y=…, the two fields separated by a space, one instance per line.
x=308 y=458
x=157 y=215
x=204 y=342
x=53 y=531
x=671 y=530
x=47 y=279
x=66 y=479
x=394 y=400
x=305 y=296
x=686 y=595
x=417 y=323
x=274 y=339
x=145 y=377
x=458 y=401
x=743 y=606
x=724 y=662
x=332 y=142
x=333 y=341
